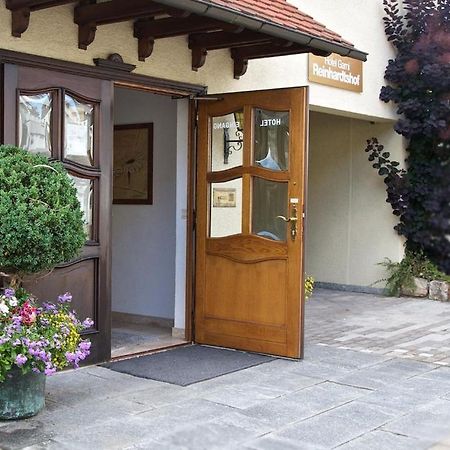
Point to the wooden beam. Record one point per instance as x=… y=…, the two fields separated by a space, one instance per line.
x=148 y=30
x=241 y=55
x=171 y=27
x=201 y=43
x=120 y=10
x=21 y=10
x=89 y=16
x=224 y=39
x=270 y=50
x=198 y=58
x=34 y=5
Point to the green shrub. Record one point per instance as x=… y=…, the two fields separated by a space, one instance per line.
x=41 y=223
x=402 y=274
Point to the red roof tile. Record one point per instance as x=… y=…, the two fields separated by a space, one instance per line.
x=282 y=13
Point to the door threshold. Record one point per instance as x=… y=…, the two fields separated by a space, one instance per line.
x=150 y=352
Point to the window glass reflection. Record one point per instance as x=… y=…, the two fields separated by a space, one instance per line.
x=78 y=131
x=269 y=201
x=227 y=143
x=271 y=143
x=35 y=123
x=85 y=190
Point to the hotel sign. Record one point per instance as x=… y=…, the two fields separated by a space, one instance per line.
x=337 y=71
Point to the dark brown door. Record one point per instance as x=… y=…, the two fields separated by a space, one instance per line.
x=250 y=202
x=69 y=118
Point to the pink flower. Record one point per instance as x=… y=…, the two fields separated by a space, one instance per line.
x=28 y=313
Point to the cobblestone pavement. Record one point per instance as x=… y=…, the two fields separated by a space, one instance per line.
x=408 y=328
x=334 y=398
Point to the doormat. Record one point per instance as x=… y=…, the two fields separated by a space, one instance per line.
x=188 y=365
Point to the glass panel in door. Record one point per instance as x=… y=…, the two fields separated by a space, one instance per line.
x=271 y=140
x=34 y=128
x=269 y=200
x=227 y=141
x=78 y=131
x=85 y=191
x=225 y=208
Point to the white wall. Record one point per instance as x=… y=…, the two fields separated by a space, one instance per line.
x=349 y=223
x=143 y=236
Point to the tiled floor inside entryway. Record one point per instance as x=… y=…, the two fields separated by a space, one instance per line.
x=131 y=338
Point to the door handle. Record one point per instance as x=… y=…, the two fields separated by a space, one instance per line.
x=292 y=220
x=285 y=219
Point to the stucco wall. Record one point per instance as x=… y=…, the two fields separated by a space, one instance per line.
x=143 y=236
x=349 y=224
x=52 y=33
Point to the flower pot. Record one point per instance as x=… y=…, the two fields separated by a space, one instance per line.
x=21 y=396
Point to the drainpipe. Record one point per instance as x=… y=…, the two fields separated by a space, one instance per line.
x=205 y=8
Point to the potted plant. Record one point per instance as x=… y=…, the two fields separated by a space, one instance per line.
x=35 y=342
x=41 y=226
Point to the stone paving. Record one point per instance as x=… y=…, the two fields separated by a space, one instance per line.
x=334 y=398
x=403 y=327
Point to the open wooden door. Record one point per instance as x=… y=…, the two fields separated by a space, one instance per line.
x=250 y=203
x=69 y=118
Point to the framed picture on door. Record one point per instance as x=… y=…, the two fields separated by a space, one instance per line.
x=133 y=164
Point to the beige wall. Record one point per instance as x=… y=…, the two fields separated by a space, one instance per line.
x=53 y=33
x=349 y=224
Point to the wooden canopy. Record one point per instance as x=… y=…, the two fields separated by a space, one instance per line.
x=208 y=25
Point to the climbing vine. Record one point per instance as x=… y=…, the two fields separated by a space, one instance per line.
x=419 y=84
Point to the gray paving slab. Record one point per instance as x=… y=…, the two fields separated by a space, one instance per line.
x=276 y=443
x=430 y=422
x=339 y=425
x=304 y=403
x=386 y=373
x=378 y=440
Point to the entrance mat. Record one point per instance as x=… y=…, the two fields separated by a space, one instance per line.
x=188 y=365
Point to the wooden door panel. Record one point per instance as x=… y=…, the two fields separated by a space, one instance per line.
x=248 y=285
x=255 y=344
x=246 y=249
x=246 y=330
x=76 y=278
x=233 y=296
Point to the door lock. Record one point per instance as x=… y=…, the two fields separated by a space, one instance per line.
x=293 y=219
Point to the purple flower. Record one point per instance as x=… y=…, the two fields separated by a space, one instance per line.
x=49 y=370
x=87 y=323
x=9 y=292
x=71 y=357
x=65 y=298
x=49 y=307
x=85 y=346
x=21 y=360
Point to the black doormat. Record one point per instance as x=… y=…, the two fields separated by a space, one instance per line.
x=188 y=365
